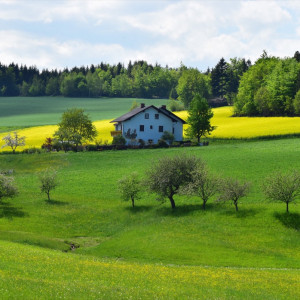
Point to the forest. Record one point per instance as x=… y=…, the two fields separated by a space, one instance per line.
x=269 y=87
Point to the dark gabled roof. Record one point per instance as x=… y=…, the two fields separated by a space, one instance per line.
x=138 y=110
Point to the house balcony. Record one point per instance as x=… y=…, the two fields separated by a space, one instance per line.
x=115 y=133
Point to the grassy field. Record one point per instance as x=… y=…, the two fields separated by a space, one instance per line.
x=20 y=112
x=150 y=251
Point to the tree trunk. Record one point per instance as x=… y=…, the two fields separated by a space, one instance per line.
x=48 y=194
x=204 y=205
x=132 y=201
x=198 y=139
x=287 y=207
x=172 y=202
x=236 y=206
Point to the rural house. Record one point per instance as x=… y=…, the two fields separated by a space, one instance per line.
x=148 y=123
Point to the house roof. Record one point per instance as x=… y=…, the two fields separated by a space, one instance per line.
x=140 y=109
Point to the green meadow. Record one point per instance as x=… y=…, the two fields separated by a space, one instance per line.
x=149 y=251
x=20 y=112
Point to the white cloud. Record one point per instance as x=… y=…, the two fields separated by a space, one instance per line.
x=50 y=53
x=197 y=33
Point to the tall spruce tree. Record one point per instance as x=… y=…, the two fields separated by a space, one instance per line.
x=219 y=79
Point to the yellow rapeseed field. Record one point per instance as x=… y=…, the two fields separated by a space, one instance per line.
x=226 y=127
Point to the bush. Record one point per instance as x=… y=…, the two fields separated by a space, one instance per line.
x=168 y=137
x=162 y=144
x=175 y=105
x=119 y=140
x=32 y=150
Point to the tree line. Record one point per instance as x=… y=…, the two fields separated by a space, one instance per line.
x=138 y=79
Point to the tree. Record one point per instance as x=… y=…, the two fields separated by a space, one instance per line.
x=199 y=116
x=48 y=181
x=297 y=103
x=190 y=83
x=283 y=187
x=169 y=174
x=219 y=79
x=14 y=140
x=232 y=190
x=7 y=187
x=202 y=185
x=75 y=127
x=130 y=188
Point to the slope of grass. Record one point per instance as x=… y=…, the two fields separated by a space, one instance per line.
x=28 y=272
x=18 y=112
x=87 y=211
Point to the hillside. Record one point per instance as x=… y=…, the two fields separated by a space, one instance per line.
x=257 y=243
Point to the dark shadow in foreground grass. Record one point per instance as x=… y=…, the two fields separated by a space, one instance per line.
x=139 y=208
x=183 y=210
x=289 y=220
x=242 y=213
x=9 y=212
x=56 y=202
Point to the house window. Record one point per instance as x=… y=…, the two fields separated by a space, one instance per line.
x=173 y=130
x=156 y=116
x=141 y=127
x=151 y=127
x=160 y=128
x=146 y=116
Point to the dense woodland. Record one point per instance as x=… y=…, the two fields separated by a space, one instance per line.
x=138 y=79
x=268 y=87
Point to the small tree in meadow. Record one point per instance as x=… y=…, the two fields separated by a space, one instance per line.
x=130 y=188
x=13 y=141
x=7 y=187
x=169 y=174
x=283 y=187
x=203 y=184
x=48 y=181
x=233 y=190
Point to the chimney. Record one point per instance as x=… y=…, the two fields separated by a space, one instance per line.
x=164 y=106
x=142 y=105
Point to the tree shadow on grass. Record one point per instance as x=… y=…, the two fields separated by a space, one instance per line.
x=10 y=212
x=139 y=208
x=182 y=210
x=242 y=213
x=289 y=220
x=56 y=202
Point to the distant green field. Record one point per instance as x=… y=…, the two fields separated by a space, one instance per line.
x=150 y=250
x=18 y=112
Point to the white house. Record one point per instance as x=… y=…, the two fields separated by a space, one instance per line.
x=149 y=123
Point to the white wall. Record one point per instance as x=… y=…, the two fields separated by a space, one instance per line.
x=154 y=134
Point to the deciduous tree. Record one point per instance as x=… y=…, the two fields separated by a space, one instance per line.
x=48 y=181
x=13 y=141
x=75 y=127
x=130 y=188
x=283 y=187
x=7 y=187
x=169 y=174
x=233 y=190
x=199 y=116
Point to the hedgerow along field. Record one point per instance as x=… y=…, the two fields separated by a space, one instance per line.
x=40 y=115
x=149 y=251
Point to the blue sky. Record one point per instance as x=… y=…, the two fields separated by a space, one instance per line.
x=66 y=33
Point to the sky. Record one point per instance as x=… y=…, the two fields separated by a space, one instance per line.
x=67 y=33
